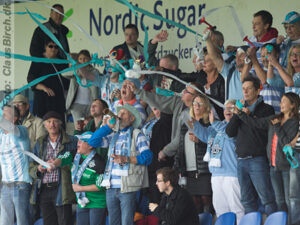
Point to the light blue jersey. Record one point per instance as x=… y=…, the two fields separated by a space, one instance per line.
x=14 y=164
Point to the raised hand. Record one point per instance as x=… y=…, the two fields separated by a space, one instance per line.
x=160 y=37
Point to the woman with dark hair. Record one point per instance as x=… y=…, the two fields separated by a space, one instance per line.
x=189 y=159
x=49 y=94
x=282 y=128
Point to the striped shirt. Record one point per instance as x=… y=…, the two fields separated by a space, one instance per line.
x=142 y=146
x=14 y=164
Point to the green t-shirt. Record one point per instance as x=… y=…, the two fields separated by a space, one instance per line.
x=93 y=174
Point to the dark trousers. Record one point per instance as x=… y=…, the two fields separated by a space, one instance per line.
x=52 y=214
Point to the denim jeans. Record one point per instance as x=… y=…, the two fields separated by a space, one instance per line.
x=15 y=198
x=281 y=186
x=254 y=179
x=295 y=192
x=93 y=216
x=121 y=206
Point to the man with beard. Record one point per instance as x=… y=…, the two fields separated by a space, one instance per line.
x=126 y=169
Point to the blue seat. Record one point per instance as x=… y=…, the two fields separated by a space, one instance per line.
x=278 y=218
x=253 y=218
x=39 y=222
x=205 y=218
x=226 y=219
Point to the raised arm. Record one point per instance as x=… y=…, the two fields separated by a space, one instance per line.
x=288 y=80
x=214 y=53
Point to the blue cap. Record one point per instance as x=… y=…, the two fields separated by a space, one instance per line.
x=291 y=17
x=85 y=136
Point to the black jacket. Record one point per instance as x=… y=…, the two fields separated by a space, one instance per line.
x=250 y=140
x=200 y=150
x=125 y=48
x=156 y=79
x=217 y=88
x=161 y=136
x=42 y=103
x=285 y=134
x=177 y=209
x=37 y=45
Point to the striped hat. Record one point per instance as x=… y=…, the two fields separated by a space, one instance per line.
x=291 y=17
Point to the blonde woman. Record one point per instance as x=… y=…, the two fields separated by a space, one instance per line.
x=290 y=76
x=189 y=158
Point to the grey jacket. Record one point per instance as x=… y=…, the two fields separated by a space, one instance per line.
x=169 y=105
x=94 y=91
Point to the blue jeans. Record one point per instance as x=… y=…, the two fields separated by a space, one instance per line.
x=93 y=216
x=254 y=179
x=295 y=192
x=281 y=186
x=121 y=206
x=15 y=198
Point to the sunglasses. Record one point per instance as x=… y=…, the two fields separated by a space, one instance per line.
x=53 y=46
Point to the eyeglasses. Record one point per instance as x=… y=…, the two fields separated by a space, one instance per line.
x=295 y=54
x=186 y=91
x=53 y=46
x=198 y=104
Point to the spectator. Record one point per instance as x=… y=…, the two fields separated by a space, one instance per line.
x=86 y=181
x=33 y=124
x=208 y=76
x=131 y=47
x=126 y=169
x=52 y=190
x=190 y=152
x=169 y=62
x=79 y=98
x=54 y=25
x=108 y=84
x=169 y=105
x=253 y=168
x=176 y=206
x=35 y=130
x=295 y=183
x=291 y=76
x=129 y=97
x=16 y=182
x=262 y=28
x=158 y=132
x=231 y=72
x=282 y=128
x=292 y=28
x=97 y=112
x=272 y=83
x=222 y=163
x=49 y=94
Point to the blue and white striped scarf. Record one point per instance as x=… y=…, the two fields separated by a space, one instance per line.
x=113 y=168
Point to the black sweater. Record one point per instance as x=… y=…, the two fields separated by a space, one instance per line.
x=285 y=134
x=250 y=140
x=177 y=209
